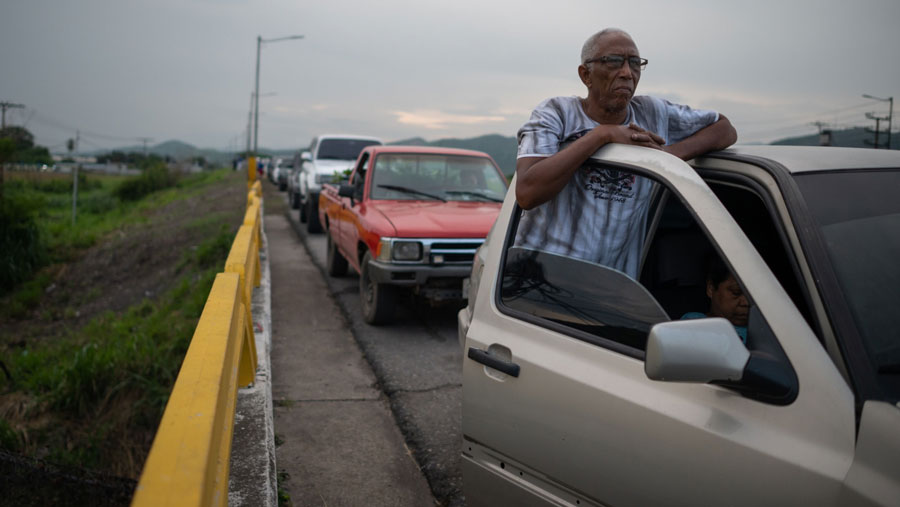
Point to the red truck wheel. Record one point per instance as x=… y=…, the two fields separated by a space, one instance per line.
x=335 y=263
x=312 y=214
x=377 y=298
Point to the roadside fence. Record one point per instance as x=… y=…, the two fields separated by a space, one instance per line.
x=189 y=461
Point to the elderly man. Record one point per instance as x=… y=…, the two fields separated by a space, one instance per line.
x=577 y=209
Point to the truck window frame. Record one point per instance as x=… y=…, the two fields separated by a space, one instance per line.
x=656 y=207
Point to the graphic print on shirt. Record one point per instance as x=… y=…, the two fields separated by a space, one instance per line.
x=608 y=184
x=601 y=182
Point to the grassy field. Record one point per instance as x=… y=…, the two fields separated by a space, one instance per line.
x=92 y=340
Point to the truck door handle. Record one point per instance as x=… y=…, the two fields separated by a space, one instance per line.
x=486 y=358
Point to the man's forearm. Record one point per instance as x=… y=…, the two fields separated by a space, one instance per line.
x=717 y=136
x=540 y=179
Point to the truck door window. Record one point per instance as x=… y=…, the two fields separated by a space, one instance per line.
x=758 y=221
x=571 y=290
x=600 y=304
x=359 y=177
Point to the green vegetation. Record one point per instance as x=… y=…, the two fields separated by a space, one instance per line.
x=341 y=176
x=24 y=151
x=155 y=177
x=284 y=498
x=21 y=248
x=36 y=217
x=92 y=395
x=128 y=361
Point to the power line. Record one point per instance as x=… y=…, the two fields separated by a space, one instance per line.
x=41 y=118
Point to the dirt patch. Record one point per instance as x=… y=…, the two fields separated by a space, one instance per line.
x=131 y=264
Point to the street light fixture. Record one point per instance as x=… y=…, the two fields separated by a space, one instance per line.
x=259 y=41
x=890 y=113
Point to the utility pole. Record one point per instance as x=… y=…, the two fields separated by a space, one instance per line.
x=824 y=133
x=259 y=41
x=250 y=124
x=890 y=101
x=74 y=146
x=8 y=105
x=877 y=119
x=145 y=140
x=256 y=96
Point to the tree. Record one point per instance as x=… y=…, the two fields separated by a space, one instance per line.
x=23 y=148
x=20 y=136
x=7 y=148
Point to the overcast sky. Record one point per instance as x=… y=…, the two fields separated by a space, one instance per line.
x=119 y=70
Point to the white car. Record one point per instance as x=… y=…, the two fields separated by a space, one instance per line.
x=327 y=155
x=281 y=171
x=583 y=386
x=293 y=180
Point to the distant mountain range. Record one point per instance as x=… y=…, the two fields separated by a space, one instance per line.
x=856 y=137
x=501 y=148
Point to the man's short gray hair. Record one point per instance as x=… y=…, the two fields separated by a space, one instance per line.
x=590 y=45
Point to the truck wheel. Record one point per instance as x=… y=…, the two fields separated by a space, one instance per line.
x=295 y=200
x=377 y=298
x=335 y=263
x=302 y=207
x=312 y=214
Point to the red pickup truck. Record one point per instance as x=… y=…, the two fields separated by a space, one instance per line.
x=410 y=217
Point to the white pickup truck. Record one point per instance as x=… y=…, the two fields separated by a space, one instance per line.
x=584 y=386
x=327 y=155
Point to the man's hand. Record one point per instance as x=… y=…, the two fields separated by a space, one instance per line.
x=632 y=134
x=645 y=137
x=540 y=179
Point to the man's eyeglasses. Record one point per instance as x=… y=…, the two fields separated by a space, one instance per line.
x=615 y=62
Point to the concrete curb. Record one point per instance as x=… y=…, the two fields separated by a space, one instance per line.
x=253 y=479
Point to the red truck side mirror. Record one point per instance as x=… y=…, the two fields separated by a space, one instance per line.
x=346 y=191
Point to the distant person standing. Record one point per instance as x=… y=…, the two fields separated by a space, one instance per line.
x=575 y=209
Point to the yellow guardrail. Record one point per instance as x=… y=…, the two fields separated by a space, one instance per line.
x=189 y=461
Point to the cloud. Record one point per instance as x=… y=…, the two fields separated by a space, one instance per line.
x=436 y=120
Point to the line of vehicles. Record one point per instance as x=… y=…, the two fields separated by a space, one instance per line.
x=584 y=386
x=404 y=217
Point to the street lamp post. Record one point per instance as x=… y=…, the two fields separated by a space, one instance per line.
x=259 y=41
x=890 y=100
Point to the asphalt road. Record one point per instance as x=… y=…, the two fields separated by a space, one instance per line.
x=418 y=363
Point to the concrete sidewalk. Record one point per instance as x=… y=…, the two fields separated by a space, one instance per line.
x=336 y=440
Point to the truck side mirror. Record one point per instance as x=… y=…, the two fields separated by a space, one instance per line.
x=709 y=350
x=346 y=190
x=306 y=156
x=701 y=350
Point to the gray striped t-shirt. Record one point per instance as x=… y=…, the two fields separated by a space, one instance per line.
x=601 y=215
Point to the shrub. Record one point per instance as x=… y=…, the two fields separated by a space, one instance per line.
x=21 y=250
x=53 y=183
x=156 y=177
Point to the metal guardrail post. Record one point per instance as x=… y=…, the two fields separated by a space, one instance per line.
x=243 y=259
